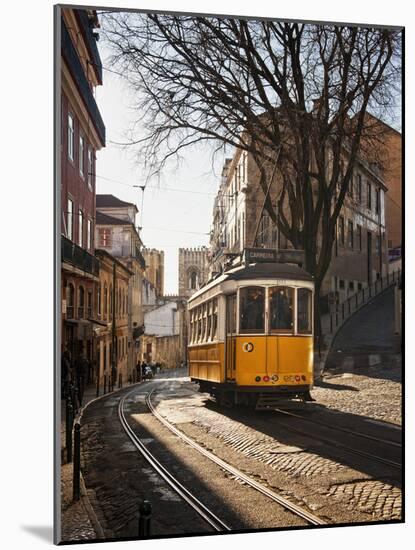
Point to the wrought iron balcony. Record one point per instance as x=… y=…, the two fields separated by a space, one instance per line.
x=78 y=257
x=75 y=66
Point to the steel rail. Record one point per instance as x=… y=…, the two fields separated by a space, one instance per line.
x=297 y=510
x=341 y=429
x=207 y=515
x=377 y=458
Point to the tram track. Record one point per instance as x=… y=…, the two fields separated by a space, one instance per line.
x=237 y=474
x=342 y=429
x=203 y=511
x=337 y=444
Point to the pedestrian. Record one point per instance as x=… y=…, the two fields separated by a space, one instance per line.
x=81 y=372
x=143 y=370
x=65 y=373
x=138 y=370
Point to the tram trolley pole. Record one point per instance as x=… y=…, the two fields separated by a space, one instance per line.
x=77 y=462
x=144 y=520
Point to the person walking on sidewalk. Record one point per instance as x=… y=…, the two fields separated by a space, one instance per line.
x=66 y=373
x=81 y=372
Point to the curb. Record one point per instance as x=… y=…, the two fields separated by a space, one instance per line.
x=99 y=531
x=84 y=495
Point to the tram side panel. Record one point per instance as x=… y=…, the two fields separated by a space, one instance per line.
x=207 y=362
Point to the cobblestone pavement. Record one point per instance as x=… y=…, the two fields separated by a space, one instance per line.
x=80 y=520
x=373 y=392
x=363 y=369
x=344 y=489
x=75 y=522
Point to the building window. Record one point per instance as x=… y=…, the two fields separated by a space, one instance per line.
x=105 y=300
x=359 y=188
x=377 y=201
x=89 y=234
x=70 y=219
x=81 y=302
x=379 y=245
x=90 y=167
x=99 y=300
x=252 y=308
x=71 y=136
x=359 y=237
x=105 y=235
x=350 y=234
x=70 y=301
x=89 y=305
x=81 y=228
x=369 y=196
x=281 y=309
x=341 y=284
x=81 y=155
x=193 y=280
x=341 y=230
x=110 y=297
x=351 y=286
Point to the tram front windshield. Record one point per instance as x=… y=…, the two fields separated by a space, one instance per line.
x=252 y=307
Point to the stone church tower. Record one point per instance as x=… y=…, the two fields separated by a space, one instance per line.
x=193 y=269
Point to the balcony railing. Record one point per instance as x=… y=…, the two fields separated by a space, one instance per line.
x=81 y=312
x=71 y=57
x=69 y=312
x=78 y=257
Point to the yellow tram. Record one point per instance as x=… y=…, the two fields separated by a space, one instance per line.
x=251 y=335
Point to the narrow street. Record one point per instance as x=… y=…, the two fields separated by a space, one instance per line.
x=313 y=466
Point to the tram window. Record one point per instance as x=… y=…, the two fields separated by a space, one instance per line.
x=215 y=319
x=252 y=305
x=209 y=321
x=281 y=308
x=192 y=326
x=204 y=322
x=199 y=324
x=304 y=311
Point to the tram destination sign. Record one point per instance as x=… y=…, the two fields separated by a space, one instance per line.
x=269 y=255
x=260 y=255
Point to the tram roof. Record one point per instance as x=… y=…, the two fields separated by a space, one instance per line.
x=273 y=270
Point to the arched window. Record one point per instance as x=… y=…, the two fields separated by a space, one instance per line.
x=70 y=301
x=105 y=300
x=193 y=280
x=110 y=298
x=81 y=302
x=99 y=299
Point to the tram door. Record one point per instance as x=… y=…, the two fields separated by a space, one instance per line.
x=230 y=354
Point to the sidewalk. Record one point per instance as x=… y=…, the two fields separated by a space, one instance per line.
x=78 y=519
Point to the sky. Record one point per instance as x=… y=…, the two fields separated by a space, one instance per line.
x=170 y=219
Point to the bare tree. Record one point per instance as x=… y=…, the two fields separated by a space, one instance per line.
x=299 y=92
